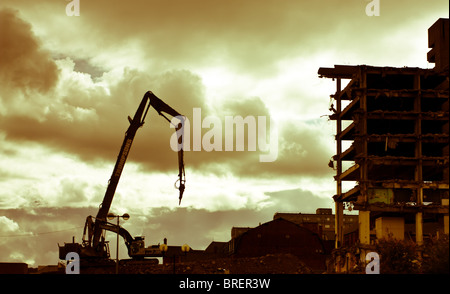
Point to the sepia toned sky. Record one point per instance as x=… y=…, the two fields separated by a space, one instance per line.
x=68 y=83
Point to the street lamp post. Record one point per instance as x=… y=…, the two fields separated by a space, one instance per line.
x=164 y=248
x=111 y=216
x=185 y=248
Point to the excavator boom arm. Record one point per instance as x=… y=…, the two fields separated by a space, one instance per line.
x=148 y=100
x=160 y=107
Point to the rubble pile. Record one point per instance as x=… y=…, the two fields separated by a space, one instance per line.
x=268 y=264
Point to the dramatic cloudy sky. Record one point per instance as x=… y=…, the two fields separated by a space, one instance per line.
x=68 y=83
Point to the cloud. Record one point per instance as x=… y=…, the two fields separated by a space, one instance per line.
x=34 y=232
x=8 y=225
x=27 y=72
x=297 y=200
x=249 y=37
x=40 y=231
x=303 y=150
x=247 y=34
x=84 y=115
x=179 y=224
x=86 y=120
x=23 y=64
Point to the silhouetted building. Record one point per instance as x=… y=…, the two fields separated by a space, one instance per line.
x=438 y=42
x=322 y=222
x=13 y=268
x=281 y=236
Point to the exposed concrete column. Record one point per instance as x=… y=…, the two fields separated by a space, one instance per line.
x=446 y=224
x=339 y=224
x=419 y=219
x=339 y=206
x=419 y=228
x=444 y=203
x=418 y=154
x=364 y=227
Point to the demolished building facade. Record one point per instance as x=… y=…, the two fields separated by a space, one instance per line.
x=394 y=125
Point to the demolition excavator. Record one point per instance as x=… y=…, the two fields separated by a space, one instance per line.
x=94 y=245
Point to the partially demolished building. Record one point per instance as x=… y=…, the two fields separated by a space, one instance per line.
x=394 y=125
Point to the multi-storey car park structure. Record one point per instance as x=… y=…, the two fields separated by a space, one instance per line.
x=396 y=124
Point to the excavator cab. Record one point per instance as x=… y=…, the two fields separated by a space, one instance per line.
x=137 y=246
x=84 y=251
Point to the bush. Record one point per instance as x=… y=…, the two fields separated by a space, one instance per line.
x=398 y=257
x=403 y=257
x=436 y=256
